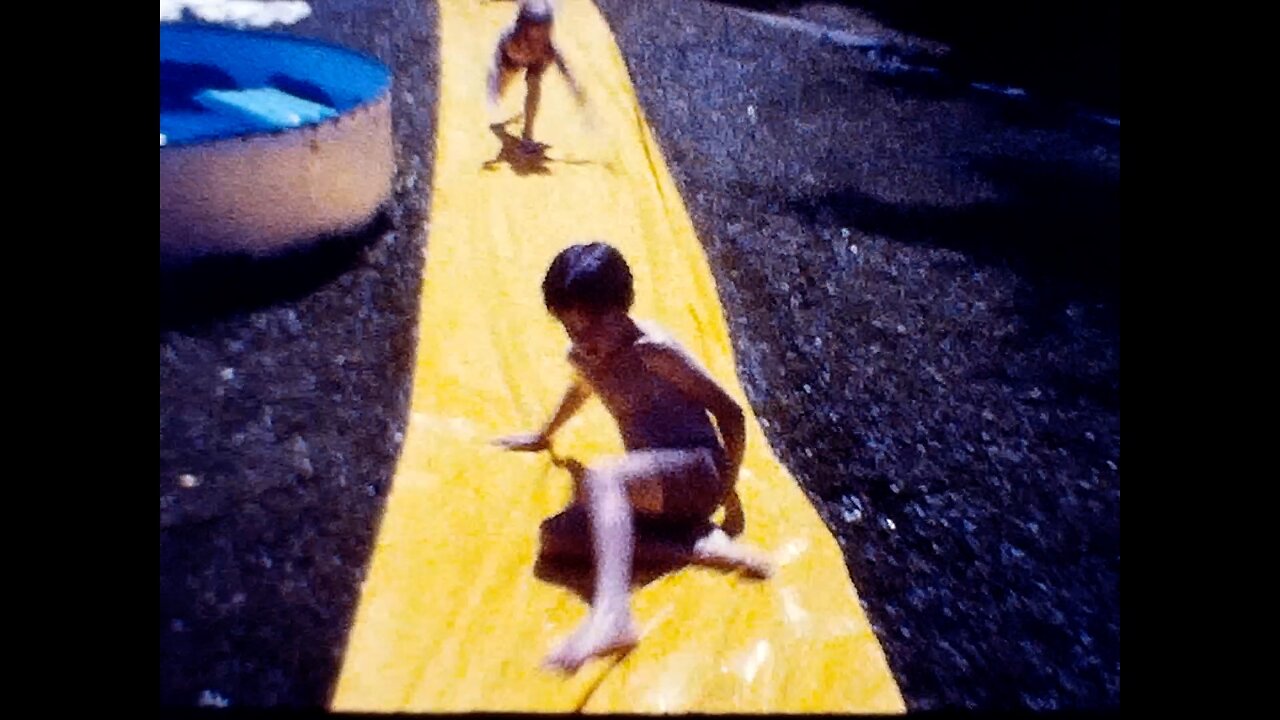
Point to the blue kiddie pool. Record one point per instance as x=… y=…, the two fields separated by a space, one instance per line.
x=268 y=140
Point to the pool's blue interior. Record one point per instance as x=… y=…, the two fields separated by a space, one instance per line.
x=217 y=83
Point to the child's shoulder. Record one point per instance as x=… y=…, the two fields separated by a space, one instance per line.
x=654 y=336
x=657 y=344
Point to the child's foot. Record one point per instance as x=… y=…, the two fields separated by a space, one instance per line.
x=599 y=634
x=756 y=566
x=717 y=550
x=532 y=147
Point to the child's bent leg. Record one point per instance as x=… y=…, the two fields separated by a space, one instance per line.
x=612 y=494
x=567 y=538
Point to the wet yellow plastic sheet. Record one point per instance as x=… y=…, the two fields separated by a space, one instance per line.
x=452 y=616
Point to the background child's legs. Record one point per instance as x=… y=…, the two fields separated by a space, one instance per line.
x=533 y=81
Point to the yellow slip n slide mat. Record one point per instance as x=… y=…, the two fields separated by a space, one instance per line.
x=452 y=615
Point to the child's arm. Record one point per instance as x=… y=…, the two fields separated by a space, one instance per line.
x=573 y=82
x=493 y=89
x=676 y=365
x=492 y=86
x=572 y=401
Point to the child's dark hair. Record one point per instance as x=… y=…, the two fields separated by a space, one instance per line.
x=592 y=277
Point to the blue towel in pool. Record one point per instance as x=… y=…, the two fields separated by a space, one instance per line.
x=268 y=106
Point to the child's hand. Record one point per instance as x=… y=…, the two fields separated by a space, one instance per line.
x=527 y=442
